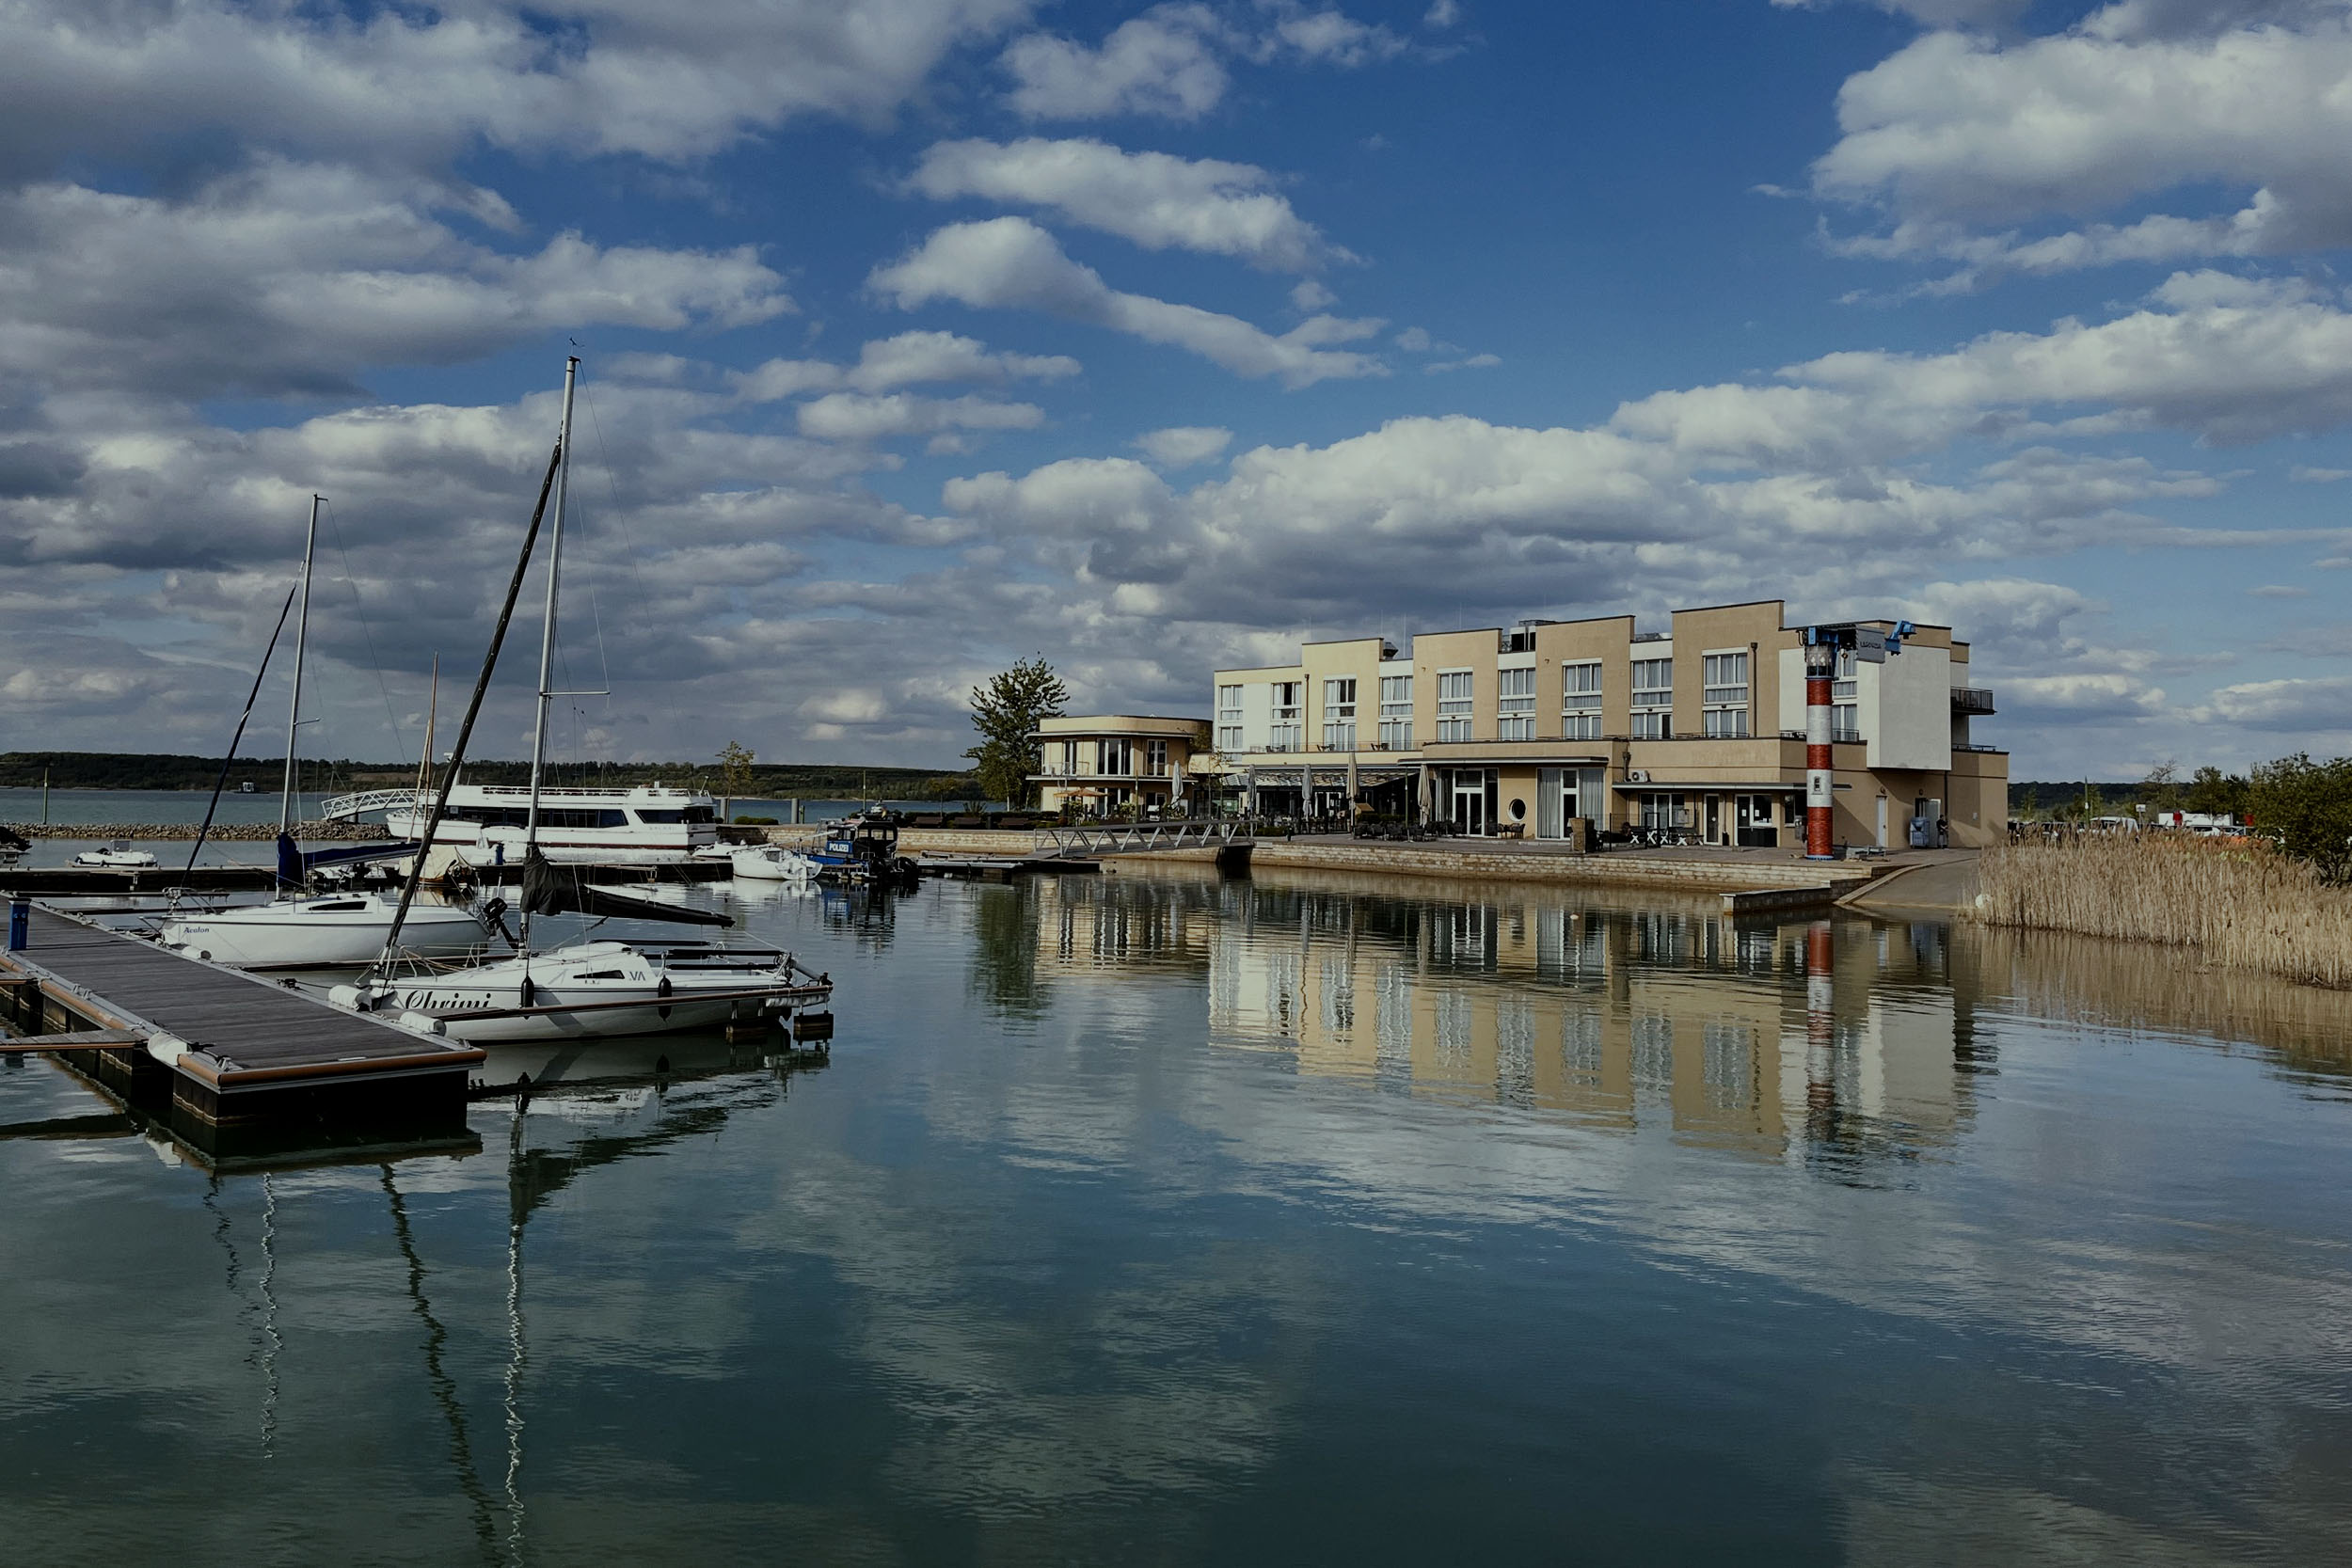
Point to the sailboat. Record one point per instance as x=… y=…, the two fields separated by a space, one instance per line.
x=296 y=930
x=584 y=988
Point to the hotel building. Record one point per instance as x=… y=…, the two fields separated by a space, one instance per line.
x=1698 y=730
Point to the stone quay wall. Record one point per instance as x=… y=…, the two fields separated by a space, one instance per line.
x=1611 y=868
x=1618 y=868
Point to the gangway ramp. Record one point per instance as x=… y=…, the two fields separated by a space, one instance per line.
x=1088 y=841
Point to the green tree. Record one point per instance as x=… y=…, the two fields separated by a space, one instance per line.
x=1005 y=711
x=2161 y=789
x=735 y=773
x=2215 y=793
x=2083 y=807
x=2306 y=807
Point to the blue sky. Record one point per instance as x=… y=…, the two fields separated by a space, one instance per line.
x=925 y=334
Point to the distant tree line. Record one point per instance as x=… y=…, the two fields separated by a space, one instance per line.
x=2302 y=804
x=771 y=780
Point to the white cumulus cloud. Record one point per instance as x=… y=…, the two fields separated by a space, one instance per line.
x=1161 y=63
x=1958 y=137
x=1153 y=199
x=1010 y=263
x=1182 y=446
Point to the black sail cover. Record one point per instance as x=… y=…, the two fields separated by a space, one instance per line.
x=549 y=888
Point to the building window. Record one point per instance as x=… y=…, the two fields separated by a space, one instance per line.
x=1579 y=701
x=1845 y=714
x=1338 y=714
x=1155 y=758
x=1286 y=735
x=1396 y=712
x=1114 y=757
x=1515 y=705
x=1725 y=692
x=1229 y=737
x=1229 y=718
x=1664 y=812
x=1653 y=698
x=1455 y=687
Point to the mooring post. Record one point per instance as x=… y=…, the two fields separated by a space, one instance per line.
x=20 y=924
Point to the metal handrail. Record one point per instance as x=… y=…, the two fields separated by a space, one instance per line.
x=1124 y=838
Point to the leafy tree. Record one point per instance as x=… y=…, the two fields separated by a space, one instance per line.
x=1012 y=705
x=2087 y=805
x=2306 y=806
x=2217 y=794
x=735 y=772
x=2161 y=789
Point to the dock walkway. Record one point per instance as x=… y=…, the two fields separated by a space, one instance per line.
x=236 y=1047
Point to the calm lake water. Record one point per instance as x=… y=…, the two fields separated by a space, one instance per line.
x=1152 y=1217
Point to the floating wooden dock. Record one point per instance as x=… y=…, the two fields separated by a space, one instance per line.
x=227 y=1047
x=40 y=881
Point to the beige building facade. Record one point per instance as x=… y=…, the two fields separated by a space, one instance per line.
x=1109 y=763
x=1697 y=731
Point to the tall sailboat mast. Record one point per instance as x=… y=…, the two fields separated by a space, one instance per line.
x=547 y=629
x=294 y=708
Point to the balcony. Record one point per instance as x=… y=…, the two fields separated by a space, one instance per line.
x=1972 y=700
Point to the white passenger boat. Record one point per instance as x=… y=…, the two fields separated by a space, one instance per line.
x=118 y=856
x=487 y=824
x=773 y=863
x=322 y=932
x=585 y=989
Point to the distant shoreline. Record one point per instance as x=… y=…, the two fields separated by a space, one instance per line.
x=175 y=771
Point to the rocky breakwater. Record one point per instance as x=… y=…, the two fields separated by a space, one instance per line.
x=243 y=833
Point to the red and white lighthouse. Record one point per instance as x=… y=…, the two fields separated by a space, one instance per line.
x=1820 y=668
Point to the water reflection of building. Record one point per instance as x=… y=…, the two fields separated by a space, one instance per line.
x=1618 y=1016
x=1624 y=1016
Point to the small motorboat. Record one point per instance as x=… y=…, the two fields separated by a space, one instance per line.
x=864 y=850
x=118 y=856
x=773 y=863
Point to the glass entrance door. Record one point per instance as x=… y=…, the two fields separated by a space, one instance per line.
x=1470 y=802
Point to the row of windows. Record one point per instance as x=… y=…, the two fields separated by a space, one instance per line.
x=1725 y=693
x=1115 y=757
x=576 y=816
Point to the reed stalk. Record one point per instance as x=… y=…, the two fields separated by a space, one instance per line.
x=2235 y=904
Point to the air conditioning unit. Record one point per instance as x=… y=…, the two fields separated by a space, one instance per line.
x=1637 y=775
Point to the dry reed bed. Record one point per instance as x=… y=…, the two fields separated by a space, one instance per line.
x=2238 y=905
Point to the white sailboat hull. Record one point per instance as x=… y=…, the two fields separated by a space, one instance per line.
x=321 y=933
x=601 y=989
